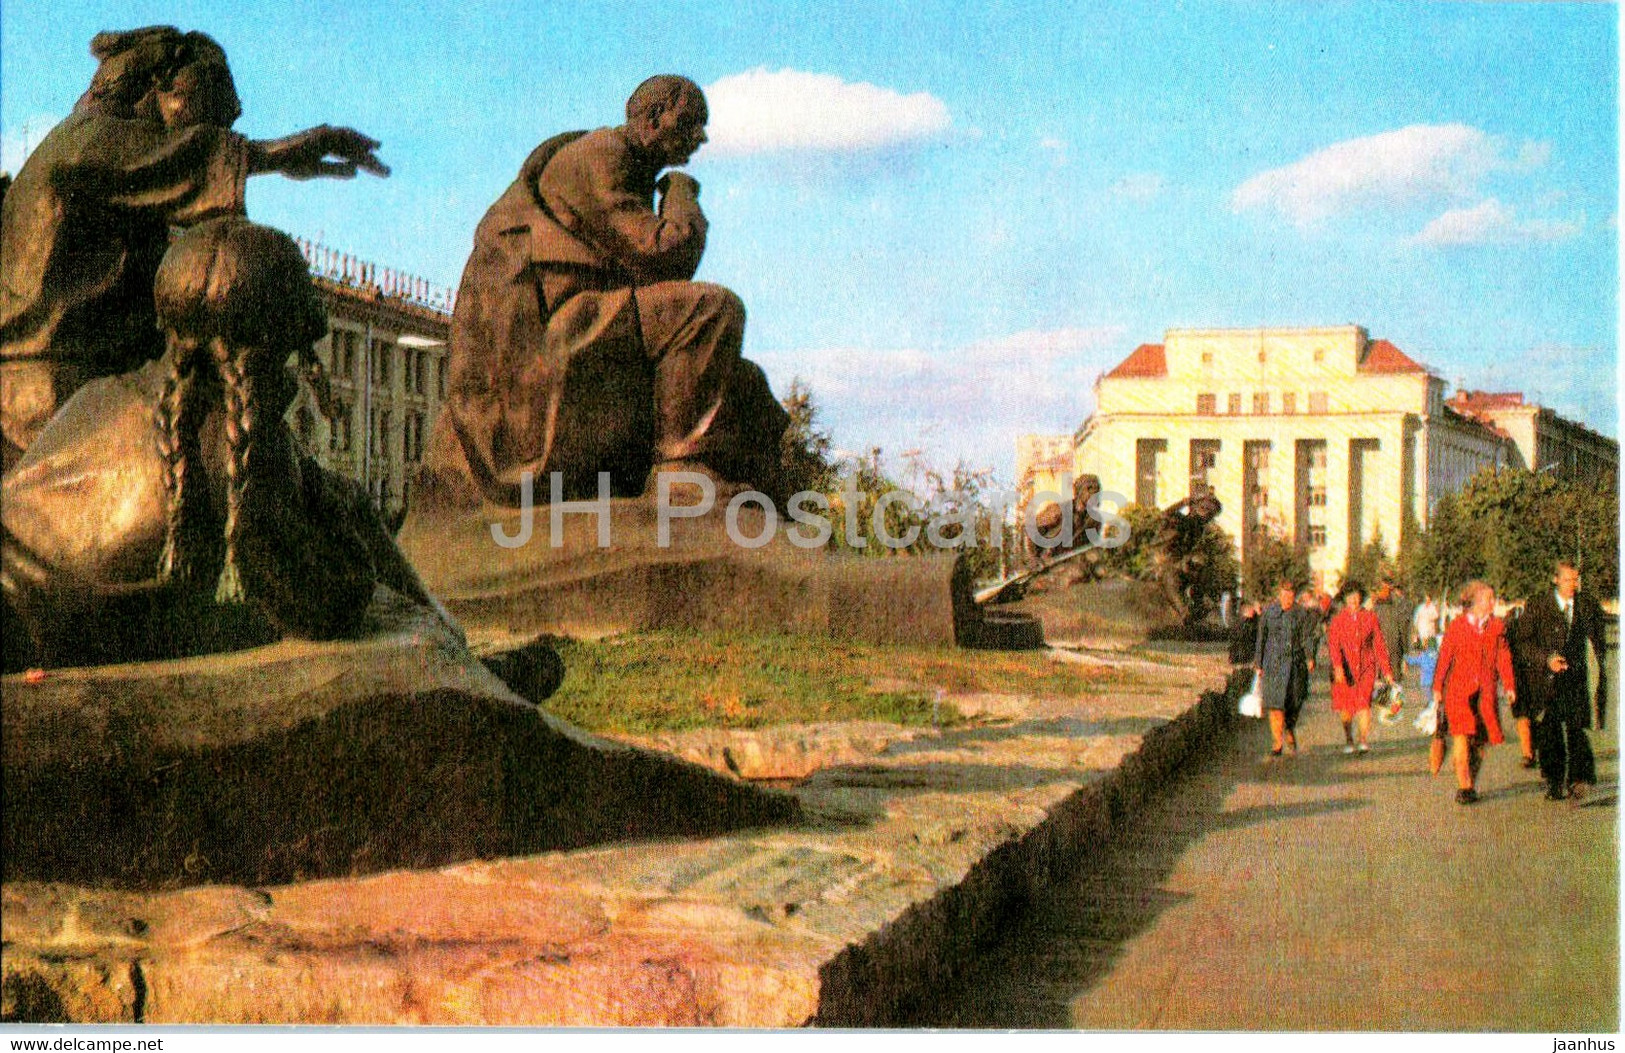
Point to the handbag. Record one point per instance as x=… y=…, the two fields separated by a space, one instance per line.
x=1252 y=703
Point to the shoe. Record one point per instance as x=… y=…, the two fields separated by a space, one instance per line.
x=1363 y=748
x=1276 y=752
x=1579 y=790
x=1556 y=793
x=1349 y=748
x=1530 y=762
x=1466 y=796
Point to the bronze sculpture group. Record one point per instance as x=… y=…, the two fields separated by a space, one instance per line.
x=155 y=503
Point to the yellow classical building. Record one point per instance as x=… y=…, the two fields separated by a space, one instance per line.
x=1319 y=435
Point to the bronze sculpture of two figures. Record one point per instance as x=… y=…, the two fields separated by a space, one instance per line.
x=155 y=504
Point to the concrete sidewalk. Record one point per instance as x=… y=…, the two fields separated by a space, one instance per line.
x=1326 y=892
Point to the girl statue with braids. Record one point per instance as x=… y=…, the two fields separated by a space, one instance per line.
x=149 y=146
x=169 y=510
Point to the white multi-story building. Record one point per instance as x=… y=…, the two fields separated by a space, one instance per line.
x=385 y=355
x=1319 y=435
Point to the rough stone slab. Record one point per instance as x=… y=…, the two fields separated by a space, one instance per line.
x=308 y=759
x=904 y=862
x=702 y=580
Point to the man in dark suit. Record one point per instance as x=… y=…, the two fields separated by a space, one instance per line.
x=1551 y=653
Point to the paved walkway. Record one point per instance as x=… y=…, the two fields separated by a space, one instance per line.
x=1326 y=892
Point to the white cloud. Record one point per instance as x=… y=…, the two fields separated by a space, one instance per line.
x=1139 y=186
x=789 y=111
x=1491 y=223
x=966 y=403
x=1411 y=165
x=1052 y=144
x=18 y=140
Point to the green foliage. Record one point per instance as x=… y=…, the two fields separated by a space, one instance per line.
x=668 y=680
x=804 y=451
x=1369 y=563
x=1510 y=526
x=1135 y=557
x=1272 y=558
x=1216 y=569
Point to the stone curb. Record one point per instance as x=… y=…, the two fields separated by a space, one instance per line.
x=875 y=983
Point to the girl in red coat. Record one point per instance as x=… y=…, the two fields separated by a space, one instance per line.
x=1354 y=639
x=1473 y=660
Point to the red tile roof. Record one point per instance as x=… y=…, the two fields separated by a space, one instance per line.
x=1383 y=357
x=1470 y=401
x=1146 y=361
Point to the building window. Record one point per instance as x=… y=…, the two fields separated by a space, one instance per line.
x=422 y=387
x=1261 y=403
x=1148 y=455
x=1317 y=402
x=409 y=362
x=1206 y=405
x=1289 y=402
x=1204 y=458
x=382 y=352
x=1232 y=404
x=440 y=376
x=341 y=354
x=338 y=435
x=1317 y=535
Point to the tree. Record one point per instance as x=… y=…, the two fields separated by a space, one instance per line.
x=804 y=451
x=1510 y=526
x=1272 y=558
x=1369 y=563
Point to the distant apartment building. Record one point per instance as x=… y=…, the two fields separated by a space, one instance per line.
x=1322 y=436
x=385 y=355
x=1543 y=441
x=1043 y=466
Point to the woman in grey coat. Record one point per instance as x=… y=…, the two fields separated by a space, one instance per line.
x=1281 y=657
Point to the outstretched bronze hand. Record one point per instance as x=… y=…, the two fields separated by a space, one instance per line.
x=305 y=155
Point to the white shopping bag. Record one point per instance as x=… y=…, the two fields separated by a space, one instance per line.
x=1427 y=721
x=1252 y=703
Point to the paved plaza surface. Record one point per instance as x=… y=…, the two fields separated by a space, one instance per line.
x=1326 y=892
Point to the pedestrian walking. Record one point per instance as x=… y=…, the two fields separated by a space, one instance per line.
x=1357 y=654
x=1395 y=613
x=1243 y=641
x=1282 y=662
x=1473 y=660
x=1552 y=639
x=1425 y=623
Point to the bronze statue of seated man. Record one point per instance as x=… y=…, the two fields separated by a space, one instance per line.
x=580 y=342
x=169 y=511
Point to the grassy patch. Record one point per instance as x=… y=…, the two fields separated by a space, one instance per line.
x=668 y=681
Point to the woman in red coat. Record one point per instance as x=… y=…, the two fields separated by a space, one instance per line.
x=1473 y=660
x=1354 y=640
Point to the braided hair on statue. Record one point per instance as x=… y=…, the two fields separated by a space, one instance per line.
x=233 y=299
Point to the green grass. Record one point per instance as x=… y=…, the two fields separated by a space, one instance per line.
x=672 y=681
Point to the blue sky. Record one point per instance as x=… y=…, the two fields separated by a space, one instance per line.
x=948 y=220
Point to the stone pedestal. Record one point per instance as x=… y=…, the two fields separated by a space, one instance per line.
x=305 y=759
x=701 y=579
